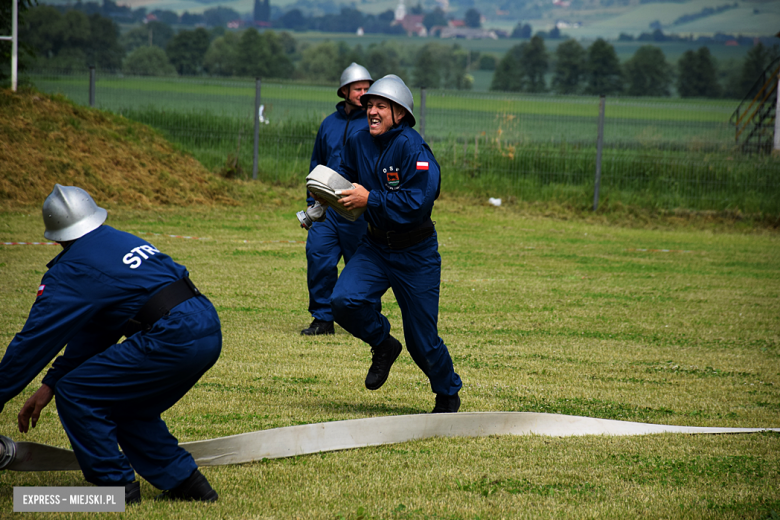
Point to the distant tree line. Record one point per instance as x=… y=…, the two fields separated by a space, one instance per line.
x=74 y=40
x=597 y=70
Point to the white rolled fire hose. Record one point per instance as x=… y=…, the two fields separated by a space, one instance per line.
x=327 y=184
x=358 y=433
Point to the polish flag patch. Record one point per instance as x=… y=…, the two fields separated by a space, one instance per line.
x=40 y=289
x=422 y=165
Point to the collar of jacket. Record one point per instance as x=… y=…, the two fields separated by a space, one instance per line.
x=67 y=248
x=341 y=108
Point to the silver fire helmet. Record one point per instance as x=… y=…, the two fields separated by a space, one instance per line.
x=70 y=213
x=352 y=74
x=393 y=88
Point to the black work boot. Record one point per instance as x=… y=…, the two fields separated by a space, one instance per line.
x=319 y=327
x=382 y=358
x=195 y=487
x=446 y=403
x=133 y=493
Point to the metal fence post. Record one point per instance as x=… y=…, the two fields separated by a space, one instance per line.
x=92 y=87
x=257 y=128
x=599 y=146
x=776 y=147
x=422 y=112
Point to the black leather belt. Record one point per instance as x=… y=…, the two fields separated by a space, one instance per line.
x=160 y=304
x=395 y=240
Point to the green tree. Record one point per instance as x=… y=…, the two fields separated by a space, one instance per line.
x=72 y=40
x=697 y=74
x=384 y=59
x=222 y=57
x=603 y=69
x=26 y=53
x=148 y=61
x=159 y=33
x=438 y=65
x=570 y=68
x=41 y=30
x=487 y=62
x=187 y=49
x=220 y=16
x=508 y=76
x=473 y=18
x=321 y=62
x=744 y=82
x=522 y=31
x=434 y=18
x=647 y=72
x=534 y=64
x=103 y=50
x=166 y=17
x=263 y=55
x=426 y=72
x=293 y=19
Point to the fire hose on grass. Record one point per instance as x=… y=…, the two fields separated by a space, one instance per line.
x=307 y=439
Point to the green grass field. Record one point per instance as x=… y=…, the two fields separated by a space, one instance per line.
x=658 y=322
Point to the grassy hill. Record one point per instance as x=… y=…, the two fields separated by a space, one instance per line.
x=47 y=139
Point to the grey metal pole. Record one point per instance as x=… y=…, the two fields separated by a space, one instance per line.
x=776 y=147
x=92 y=86
x=599 y=146
x=422 y=112
x=257 y=128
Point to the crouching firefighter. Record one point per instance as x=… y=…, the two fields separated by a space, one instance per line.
x=106 y=284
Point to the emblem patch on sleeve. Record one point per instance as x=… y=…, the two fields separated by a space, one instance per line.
x=40 y=289
x=392 y=179
x=422 y=165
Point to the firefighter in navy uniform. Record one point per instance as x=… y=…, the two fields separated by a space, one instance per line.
x=103 y=285
x=397 y=179
x=336 y=236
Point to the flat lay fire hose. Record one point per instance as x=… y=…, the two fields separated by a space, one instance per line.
x=306 y=439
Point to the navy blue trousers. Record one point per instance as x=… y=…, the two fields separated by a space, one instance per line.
x=116 y=398
x=326 y=243
x=414 y=274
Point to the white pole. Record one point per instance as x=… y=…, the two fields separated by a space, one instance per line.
x=14 y=44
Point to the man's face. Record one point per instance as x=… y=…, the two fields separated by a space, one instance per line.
x=380 y=115
x=355 y=90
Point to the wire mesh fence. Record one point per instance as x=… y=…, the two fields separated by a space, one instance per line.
x=665 y=153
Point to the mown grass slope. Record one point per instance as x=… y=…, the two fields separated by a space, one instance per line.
x=47 y=139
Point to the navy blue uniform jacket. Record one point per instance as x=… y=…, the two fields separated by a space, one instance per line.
x=399 y=170
x=90 y=290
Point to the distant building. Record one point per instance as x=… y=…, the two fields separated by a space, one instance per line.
x=412 y=23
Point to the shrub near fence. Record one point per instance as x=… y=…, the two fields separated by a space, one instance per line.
x=659 y=153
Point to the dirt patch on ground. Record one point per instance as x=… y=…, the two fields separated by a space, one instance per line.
x=47 y=139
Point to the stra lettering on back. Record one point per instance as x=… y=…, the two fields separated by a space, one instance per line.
x=137 y=255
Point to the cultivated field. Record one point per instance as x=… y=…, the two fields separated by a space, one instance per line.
x=659 y=324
